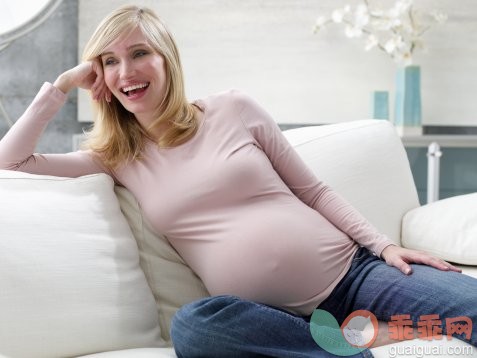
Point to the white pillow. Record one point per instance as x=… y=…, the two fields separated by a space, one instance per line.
x=446 y=228
x=70 y=278
x=174 y=284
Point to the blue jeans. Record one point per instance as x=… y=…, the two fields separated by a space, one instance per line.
x=227 y=326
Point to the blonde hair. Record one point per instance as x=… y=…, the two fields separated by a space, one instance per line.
x=116 y=135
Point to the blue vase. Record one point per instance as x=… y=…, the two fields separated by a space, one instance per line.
x=380 y=105
x=407 y=116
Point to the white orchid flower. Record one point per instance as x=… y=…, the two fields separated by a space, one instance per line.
x=371 y=42
x=338 y=15
x=320 y=22
x=381 y=25
x=362 y=9
x=353 y=31
x=401 y=45
x=396 y=30
x=402 y=6
x=438 y=16
x=392 y=13
x=376 y=13
x=361 y=16
x=390 y=46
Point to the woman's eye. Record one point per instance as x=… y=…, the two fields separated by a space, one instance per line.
x=140 y=53
x=108 y=61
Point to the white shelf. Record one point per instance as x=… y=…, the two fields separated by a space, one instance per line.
x=444 y=140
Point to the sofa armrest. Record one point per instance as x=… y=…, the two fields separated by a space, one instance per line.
x=446 y=229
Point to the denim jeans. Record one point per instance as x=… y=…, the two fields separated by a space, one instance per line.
x=227 y=326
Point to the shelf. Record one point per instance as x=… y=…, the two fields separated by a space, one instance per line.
x=446 y=141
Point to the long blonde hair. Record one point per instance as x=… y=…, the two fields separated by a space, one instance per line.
x=116 y=135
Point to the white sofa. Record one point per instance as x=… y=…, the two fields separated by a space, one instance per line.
x=82 y=273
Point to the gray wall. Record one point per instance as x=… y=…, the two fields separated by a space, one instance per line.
x=38 y=57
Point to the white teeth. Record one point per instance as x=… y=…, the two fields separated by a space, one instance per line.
x=133 y=87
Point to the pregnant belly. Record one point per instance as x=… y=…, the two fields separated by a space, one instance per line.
x=275 y=256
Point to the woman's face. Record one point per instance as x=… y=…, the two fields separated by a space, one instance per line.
x=135 y=74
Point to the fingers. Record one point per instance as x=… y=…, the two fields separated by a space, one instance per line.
x=87 y=75
x=401 y=259
x=453 y=268
x=98 y=86
x=403 y=266
x=406 y=268
x=99 y=89
x=108 y=95
x=440 y=264
x=396 y=256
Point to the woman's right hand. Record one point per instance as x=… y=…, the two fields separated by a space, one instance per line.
x=87 y=75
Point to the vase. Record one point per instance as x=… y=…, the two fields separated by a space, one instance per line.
x=380 y=105
x=407 y=115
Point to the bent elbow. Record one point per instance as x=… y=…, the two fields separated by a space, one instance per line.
x=14 y=165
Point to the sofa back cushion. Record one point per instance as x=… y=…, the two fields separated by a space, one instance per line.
x=365 y=161
x=171 y=280
x=70 y=278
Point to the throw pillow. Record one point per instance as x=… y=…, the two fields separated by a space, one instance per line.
x=446 y=228
x=70 y=278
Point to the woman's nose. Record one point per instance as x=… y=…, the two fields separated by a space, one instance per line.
x=127 y=69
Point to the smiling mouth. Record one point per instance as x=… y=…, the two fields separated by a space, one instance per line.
x=133 y=89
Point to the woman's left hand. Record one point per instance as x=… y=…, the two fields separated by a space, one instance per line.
x=87 y=75
x=401 y=258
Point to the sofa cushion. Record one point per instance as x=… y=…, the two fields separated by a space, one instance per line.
x=446 y=228
x=171 y=280
x=70 y=278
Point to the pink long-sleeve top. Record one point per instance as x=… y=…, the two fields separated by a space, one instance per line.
x=236 y=201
